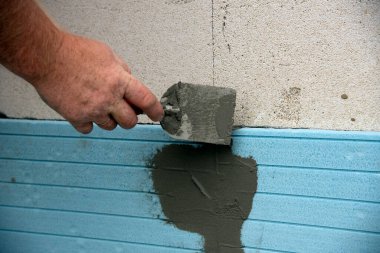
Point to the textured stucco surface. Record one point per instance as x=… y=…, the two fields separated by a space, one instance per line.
x=290 y=61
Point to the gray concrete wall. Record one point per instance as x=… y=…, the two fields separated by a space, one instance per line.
x=290 y=61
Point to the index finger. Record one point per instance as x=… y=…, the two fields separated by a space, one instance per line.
x=141 y=97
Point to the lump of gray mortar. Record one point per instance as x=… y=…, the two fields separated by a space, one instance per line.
x=199 y=113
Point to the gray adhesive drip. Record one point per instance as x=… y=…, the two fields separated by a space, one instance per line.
x=207 y=190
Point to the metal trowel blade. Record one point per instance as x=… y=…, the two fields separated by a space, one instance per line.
x=199 y=113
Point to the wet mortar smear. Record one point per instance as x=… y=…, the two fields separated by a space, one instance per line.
x=207 y=190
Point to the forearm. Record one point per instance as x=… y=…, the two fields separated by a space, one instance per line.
x=28 y=39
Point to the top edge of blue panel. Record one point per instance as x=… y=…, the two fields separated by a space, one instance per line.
x=154 y=131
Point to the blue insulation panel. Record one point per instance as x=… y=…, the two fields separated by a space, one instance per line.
x=60 y=191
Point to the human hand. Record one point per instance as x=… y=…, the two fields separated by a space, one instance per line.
x=87 y=83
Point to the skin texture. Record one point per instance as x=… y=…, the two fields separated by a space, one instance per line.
x=81 y=79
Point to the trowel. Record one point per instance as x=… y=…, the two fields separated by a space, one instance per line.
x=200 y=113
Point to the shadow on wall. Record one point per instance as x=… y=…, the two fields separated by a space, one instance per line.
x=3 y=115
x=207 y=190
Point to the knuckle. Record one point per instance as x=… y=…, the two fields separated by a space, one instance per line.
x=110 y=126
x=100 y=107
x=112 y=79
x=113 y=88
x=95 y=115
x=128 y=83
x=84 y=129
x=73 y=118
